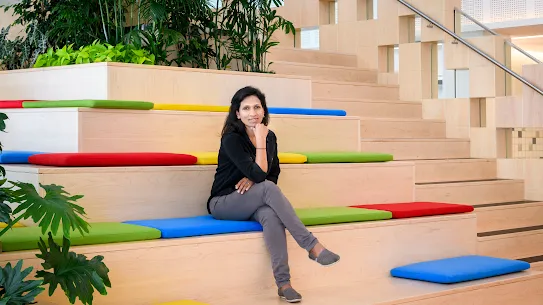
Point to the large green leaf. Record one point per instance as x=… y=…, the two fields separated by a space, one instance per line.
x=5 y=210
x=15 y=289
x=75 y=274
x=3 y=118
x=50 y=210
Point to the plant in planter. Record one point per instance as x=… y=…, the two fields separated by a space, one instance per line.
x=77 y=276
x=96 y=52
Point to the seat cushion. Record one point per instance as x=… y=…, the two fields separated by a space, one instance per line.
x=290 y=158
x=16 y=157
x=184 y=302
x=110 y=104
x=180 y=107
x=17 y=225
x=99 y=233
x=211 y=158
x=416 y=209
x=197 y=226
x=346 y=157
x=12 y=103
x=306 y=111
x=330 y=215
x=459 y=269
x=112 y=159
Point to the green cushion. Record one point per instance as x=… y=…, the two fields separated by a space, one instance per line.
x=346 y=157
x=330 y=215
x=91 y=104
x=99 y=233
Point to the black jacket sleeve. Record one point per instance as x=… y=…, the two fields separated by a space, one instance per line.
x=233 y=146
x=275 y=170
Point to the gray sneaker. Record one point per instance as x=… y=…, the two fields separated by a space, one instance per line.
x=325 y=258
x=290 y=295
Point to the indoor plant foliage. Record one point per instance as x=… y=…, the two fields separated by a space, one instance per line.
x=77 y=276
x=229 y=34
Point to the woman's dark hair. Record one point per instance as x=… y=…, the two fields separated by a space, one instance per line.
x=232 y=123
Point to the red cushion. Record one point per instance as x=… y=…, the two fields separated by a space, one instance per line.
x=11 y=104
x=416 y=209
x=112 y=159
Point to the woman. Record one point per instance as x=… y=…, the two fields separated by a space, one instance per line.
x=245 y=187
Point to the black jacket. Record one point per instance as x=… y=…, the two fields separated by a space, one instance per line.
x=237 y=157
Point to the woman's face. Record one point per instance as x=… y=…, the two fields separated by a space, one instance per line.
x=251 y=111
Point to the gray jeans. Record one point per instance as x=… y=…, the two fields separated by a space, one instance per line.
x=265 y=203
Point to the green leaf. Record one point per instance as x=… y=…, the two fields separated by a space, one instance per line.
x=15 y=289
x=76 y=275
x=3 y=118
x=48 y=211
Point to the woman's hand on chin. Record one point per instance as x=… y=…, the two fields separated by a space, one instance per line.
x=244 y=185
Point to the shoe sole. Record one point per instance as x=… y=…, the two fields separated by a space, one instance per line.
x=329 y=265
x=291 y=301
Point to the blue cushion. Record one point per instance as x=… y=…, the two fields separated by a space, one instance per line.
x=459 y=269
x=16 y=157
x=307 y=111
x=197 y=226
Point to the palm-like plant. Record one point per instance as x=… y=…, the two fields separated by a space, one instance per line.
x=75 y=274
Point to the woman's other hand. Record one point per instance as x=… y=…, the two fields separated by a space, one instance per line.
x=244 y=185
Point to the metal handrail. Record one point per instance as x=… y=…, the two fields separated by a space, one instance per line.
x=472 y=47
x=496 y=34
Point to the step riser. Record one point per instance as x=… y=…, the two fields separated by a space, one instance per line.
x=512 y=246
x=146 y=193
x=509 y=217
x=312 y=57
x=163 y=131
x=199 y=266
x=451 y=170
x=420 y=150
x=471 y=193
x=374 y=110
x=325 y=73
x=379 y=129
x=354 y=91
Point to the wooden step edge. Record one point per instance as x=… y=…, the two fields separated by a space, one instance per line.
x=295 y=63
x=403 y=120
x=333 y=82
x=313 y=51
x=354 y=100
x=511 y=204
x=222 y=238
x=479 y=181
x=515 y=231
x=456 y=160
x=448 y=140
x=41 y=169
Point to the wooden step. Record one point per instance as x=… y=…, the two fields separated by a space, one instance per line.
x=402 y=128
x=132 y=193
x=455 y=170
x=113 y=130
x=509 y=215
x=372 y=108
x=209 y=268
x=411 y=149
x=471 y=192
x=518 y=288
x=513 y=244
x=312 y=57
x=352 y=90
x=325 y=72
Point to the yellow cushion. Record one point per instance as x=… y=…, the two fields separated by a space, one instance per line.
x=185 y=302
x=208 y=108
x=206 y=158
x=291 y=158
x=17 y=225
x=211 y=158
